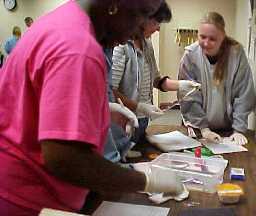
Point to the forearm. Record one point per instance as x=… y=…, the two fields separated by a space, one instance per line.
x=77 y=164
x=132 y=105
x=170 y=85
x=166 y=84
x=240 y=124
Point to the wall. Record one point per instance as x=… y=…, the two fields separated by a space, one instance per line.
x=186 y=13
x=155 y=41
x=243 y=13
x=24 y=8
x=241 y=21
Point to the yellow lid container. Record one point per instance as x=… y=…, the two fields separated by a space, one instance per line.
x=229 y=193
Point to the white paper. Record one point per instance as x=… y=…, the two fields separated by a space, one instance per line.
x=226 y=146
x=53 y=212
x=173 y=141
x=125 y=209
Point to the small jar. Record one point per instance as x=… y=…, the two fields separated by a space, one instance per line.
x=229 y=193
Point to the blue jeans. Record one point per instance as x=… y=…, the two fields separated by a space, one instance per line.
x=140 y=133
x=117 y=144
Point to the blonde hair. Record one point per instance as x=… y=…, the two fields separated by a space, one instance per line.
x=16 y=31
x=217 y=20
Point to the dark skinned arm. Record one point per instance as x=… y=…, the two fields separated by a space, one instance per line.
x=79 y=165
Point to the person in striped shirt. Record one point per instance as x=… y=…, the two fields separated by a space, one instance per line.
x=135 y=73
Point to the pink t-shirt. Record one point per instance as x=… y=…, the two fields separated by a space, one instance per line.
x=52 y=86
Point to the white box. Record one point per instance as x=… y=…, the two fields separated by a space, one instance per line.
x=202 y=174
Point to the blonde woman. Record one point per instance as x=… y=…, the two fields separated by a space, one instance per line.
x=219 y=63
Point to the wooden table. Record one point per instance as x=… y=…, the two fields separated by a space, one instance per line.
x=246 y=206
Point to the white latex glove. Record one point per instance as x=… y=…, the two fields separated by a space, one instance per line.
x=186 y=86
x=161 y=179
x=238 y=138
x=163 y=197
x=210 y=135
x=149 y=110
x=115 y=107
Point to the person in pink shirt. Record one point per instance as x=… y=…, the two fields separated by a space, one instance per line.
x=54 y=113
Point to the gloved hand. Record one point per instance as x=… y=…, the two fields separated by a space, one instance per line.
x=160 y=179
x=162 y=182
x=186 y=86
x=210 y=135
x=115 y=107
x=238 y=138
x=159 y=198
x=149 y=110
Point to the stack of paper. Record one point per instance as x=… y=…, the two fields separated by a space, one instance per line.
x=226 y=146
x=53 y=212
x=125 y=209
x=173 y=141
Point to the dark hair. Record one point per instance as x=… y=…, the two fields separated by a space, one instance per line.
x=116 y=21
x=28 y=19
x=163 y=14
x=217 y=20
x=145 y=8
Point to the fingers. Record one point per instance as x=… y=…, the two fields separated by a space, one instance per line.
x=134 y=122
x=210 y=135
x=239 y=138
x=196 y=85
x=217 y=138
x=244 y=141
x=129 y=129
x=130 y=115
x=214 y=138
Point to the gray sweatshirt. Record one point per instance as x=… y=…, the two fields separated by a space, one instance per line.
x=237 y=91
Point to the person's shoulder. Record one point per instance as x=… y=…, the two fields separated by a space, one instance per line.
x=192 y=47
x=192 y=51
x=237 y=49
x=123 y=49
x=120 y=46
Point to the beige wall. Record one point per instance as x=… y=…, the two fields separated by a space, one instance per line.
x=155 y=41
x=241 y=21
x=243 y=13
x=186 y=14
x=33 y=8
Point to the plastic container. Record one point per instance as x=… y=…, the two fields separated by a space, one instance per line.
x=203 y=174
x=229 y=193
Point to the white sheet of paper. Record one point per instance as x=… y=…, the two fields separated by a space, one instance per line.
x=53 y=212
x=226 y=146
x=173 y=141
x=125 y=209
